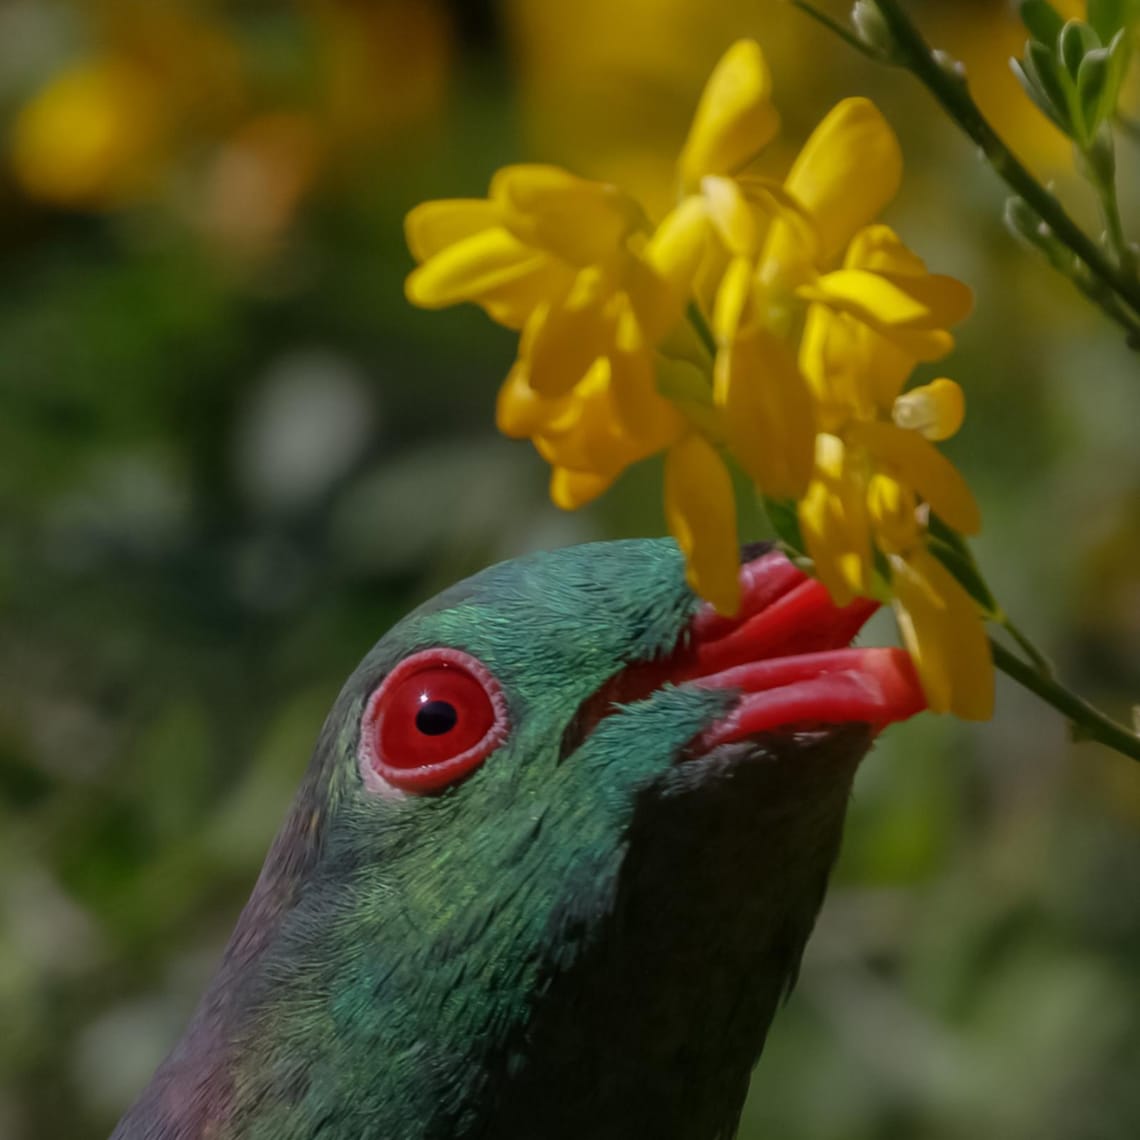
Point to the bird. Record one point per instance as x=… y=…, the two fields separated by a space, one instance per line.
x=552 y=868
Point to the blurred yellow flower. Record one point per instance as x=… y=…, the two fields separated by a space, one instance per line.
x=100 y=132
x=90 y=136
x=169 y=98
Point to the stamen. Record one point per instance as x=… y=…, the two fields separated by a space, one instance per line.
x=935 y=410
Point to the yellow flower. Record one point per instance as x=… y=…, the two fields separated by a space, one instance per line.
x=709 y=246
x=552 y=255
x=555 y=257
x=584 y=439
x=758 y=254
x=701 y=511
x=943 y=633
x=877 y=471
x=808 y=317
x=870 y=490
x=849 y=169
x=834 y=522
x=581 y=434
x=876 y=318
x=940 y=623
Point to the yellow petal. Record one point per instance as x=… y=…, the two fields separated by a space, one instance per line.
x=917 y=462
x=731 y=214
x=700 y=508
x=943 y=632
x=587 y=433
x=578 y=220
x=924 y=344
x=678 y=246
x=563 y=341
x=520 y=411
x=655 y=304
x=492 y=268
x=891 y=508
x=433 y=226
x=570 y=489
x=890 y=301
x=879 y=249
x=773 y=201
x=947 y=299
x=935 y=410
x=732 y=307
x=735 y=118
x=834 y=524
x=851 y=369
x=848 y=170
x=710 y=275
x=768 y=418
x=643 y=412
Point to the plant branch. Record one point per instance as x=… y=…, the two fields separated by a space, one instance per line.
x=948 y=86
x=1090 y=723
x=835 y=27
x=1038 y=659
x=1104 y=183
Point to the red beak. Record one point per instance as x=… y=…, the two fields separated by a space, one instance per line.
x=788 y=654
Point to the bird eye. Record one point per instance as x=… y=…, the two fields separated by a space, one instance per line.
x=433 y=719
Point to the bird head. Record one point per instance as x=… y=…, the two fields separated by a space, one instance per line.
x=553 y=866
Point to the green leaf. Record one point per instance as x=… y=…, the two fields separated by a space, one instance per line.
x=1092 y=83
x=1027 y=77
x=951 y=549
x=785 y=522
x=1074 y=42
x=1042 y=20
x=1119 y=57
x=1047 y=85
x=1107 y=17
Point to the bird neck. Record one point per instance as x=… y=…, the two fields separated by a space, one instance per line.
x=193 y=1093
x=610 y=1005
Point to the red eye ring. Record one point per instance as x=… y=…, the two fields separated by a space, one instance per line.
x=436 y=716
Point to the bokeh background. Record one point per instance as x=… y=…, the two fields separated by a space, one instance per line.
x=232 y=454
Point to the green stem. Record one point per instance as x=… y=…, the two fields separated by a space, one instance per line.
x=836 y=28
x=1113 y=308
x=701 y=326
x=1038 y=659
x=949 y=88
x=1092 y=724
x=1113 y=226
x=1105 y=187
x=1129 y=125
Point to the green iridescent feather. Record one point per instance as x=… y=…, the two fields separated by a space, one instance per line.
x=582 y=938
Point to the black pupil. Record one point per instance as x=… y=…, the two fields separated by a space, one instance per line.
x=434 y=718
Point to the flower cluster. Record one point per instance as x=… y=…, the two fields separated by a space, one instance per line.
x=773 y=321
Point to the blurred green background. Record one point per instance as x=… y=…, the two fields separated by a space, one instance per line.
x=233 y=454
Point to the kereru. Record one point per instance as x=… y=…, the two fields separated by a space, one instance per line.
x=552 y=868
